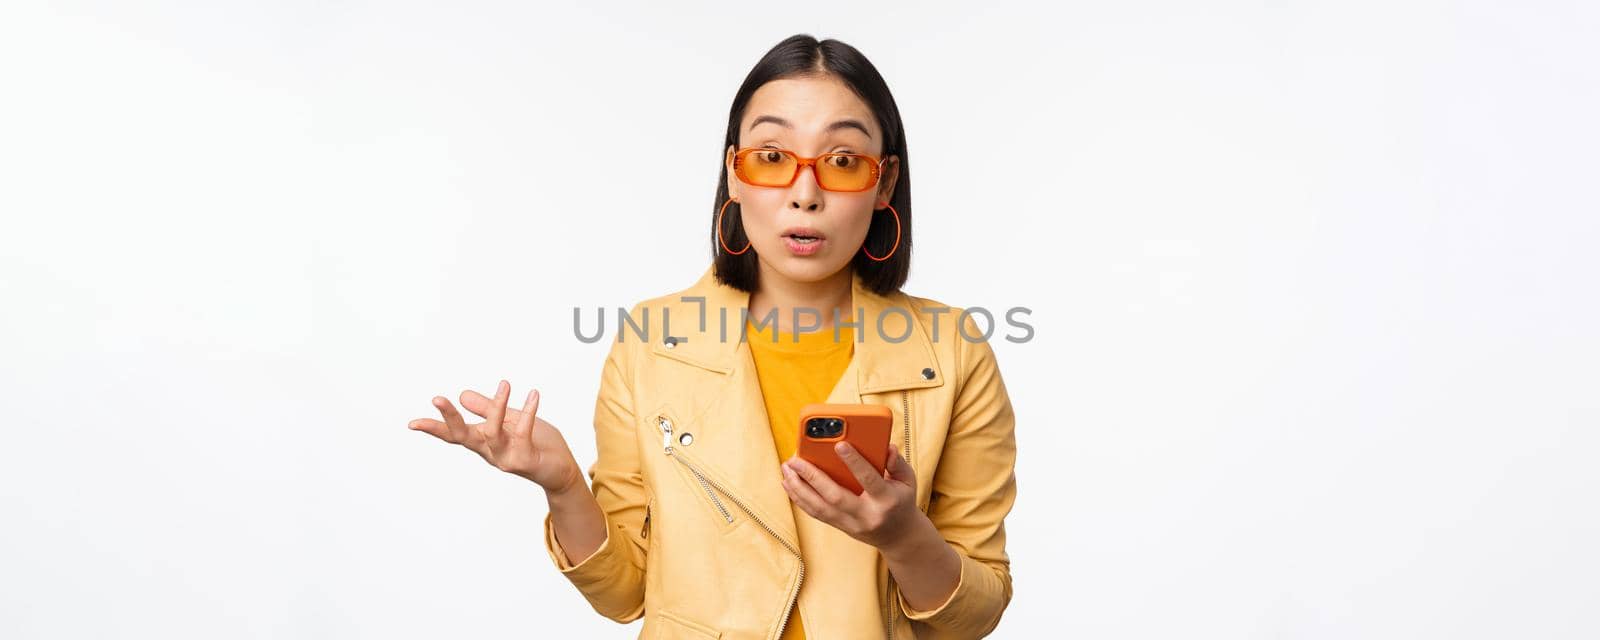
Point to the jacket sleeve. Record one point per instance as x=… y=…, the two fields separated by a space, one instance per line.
x=974 y=488
x=612 y=578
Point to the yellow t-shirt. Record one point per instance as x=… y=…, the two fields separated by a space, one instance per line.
x=793 y=374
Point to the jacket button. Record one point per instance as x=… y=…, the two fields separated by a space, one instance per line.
x=686 y=439
x=927 y=373
x=671 y=342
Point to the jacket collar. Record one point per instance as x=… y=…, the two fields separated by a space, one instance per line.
x=709 y=336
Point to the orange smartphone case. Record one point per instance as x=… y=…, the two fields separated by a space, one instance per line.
x=865 y=426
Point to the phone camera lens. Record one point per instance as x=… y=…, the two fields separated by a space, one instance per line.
x=817 y=427
x=835 y=427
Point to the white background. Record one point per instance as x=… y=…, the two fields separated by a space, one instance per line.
x=1313 y=289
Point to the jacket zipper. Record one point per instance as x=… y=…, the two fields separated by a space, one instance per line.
x=888 y=610
x=905 y=421
x=707 y=483
x=890 y=602
x=644 y=530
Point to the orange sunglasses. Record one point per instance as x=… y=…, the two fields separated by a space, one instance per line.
x=773 y=167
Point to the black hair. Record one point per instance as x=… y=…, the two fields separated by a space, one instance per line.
x=801 y=56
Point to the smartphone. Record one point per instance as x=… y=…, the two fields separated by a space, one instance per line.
x=864 y=426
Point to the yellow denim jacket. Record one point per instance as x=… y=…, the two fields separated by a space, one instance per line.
x=703 y=542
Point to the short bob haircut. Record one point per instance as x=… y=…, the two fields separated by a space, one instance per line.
x=804 y=56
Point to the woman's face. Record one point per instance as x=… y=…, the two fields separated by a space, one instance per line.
x=809 y=116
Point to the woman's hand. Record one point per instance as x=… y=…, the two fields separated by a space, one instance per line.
x=926 y=569
x=884 y=514
x=517 y=442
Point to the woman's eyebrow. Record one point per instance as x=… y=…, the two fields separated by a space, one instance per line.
x=773 y=119
x=847 y=123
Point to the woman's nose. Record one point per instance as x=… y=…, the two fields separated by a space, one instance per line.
x=805 y=194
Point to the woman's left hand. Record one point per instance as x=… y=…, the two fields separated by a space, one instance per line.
x=885 y=512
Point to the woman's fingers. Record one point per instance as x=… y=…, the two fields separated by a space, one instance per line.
x=475 y=402
x=454 y=430
x=824 y=485
x=479 y=405
x=871 y=479
x=455 y=427
x=506 y=437
x=494 y=423
x=523 y=424
x=431 y=427
x=899 y=470
x=806 y=497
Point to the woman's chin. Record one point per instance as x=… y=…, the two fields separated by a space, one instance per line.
x=811 y=268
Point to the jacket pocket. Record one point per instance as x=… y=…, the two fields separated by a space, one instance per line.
x=671 y=626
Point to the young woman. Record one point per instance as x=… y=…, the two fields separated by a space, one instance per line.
x=700 y=518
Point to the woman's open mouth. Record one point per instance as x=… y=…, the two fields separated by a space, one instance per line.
x=803 y=241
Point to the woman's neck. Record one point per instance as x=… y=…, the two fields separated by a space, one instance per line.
x=816 y=300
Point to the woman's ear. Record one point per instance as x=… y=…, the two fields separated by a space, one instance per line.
x=733 y=188
x=891 y=174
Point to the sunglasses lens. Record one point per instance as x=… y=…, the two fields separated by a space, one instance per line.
x=845 y=172
x=766 y=167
